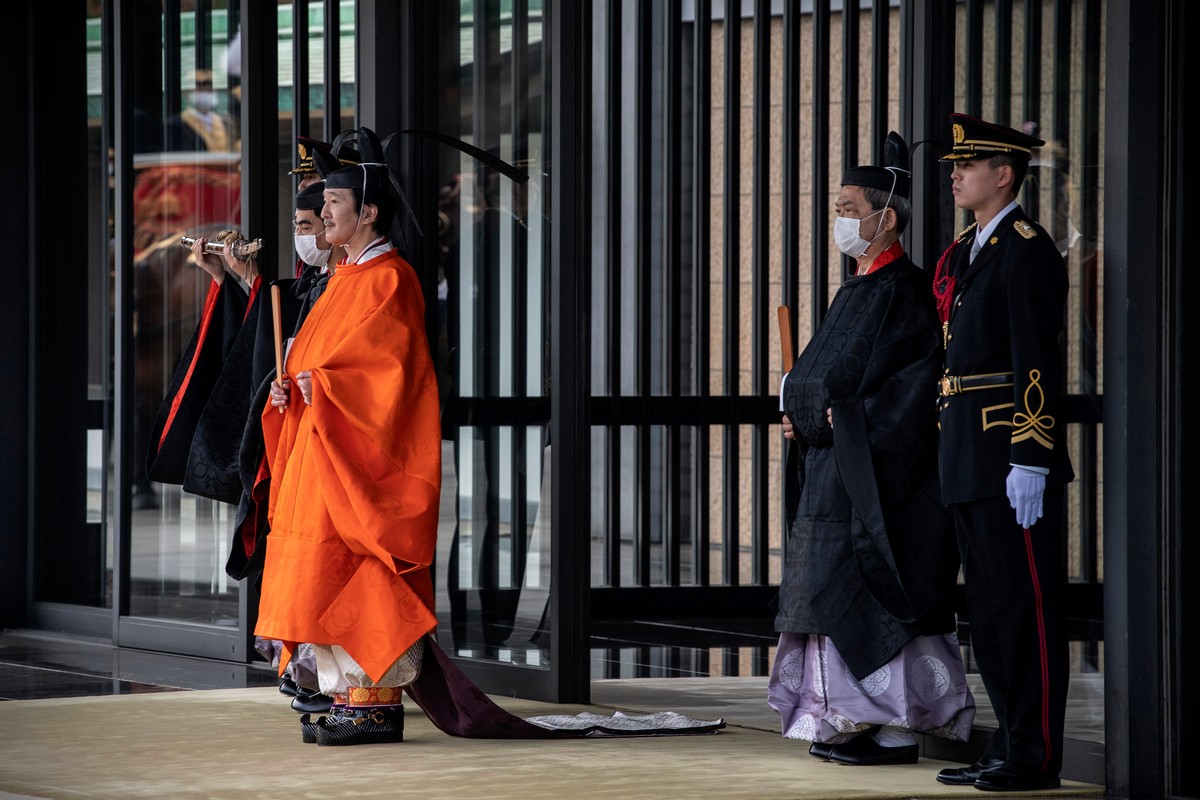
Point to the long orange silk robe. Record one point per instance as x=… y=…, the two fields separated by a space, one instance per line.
x=354 y=504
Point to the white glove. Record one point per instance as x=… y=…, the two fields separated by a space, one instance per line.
x=1025 y=488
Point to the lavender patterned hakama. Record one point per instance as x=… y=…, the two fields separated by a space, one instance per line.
x=923 y=688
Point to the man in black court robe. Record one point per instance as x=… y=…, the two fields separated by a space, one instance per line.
x=215 y=350
x=868 y=586
x=875 y=562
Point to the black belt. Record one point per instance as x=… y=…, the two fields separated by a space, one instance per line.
x=957 y=384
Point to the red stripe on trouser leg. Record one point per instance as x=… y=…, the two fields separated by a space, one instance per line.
x=1045 y=666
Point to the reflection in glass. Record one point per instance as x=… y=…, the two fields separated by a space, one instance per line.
x=95 y=476
x=492 y=575
x=187 y=182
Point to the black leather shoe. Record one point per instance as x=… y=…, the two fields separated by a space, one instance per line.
x=966 y=776
x=820 y=750
x=287 y=685
x=311 y=701
x=864 y=751
x=1010 y=778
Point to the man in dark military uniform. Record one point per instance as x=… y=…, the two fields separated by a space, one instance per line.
x=1001 y=289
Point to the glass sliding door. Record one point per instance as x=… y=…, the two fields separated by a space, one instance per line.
x=70 y=544
x=187 y=182
x=493 y=563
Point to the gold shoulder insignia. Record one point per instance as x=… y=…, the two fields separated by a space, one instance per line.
x=966 y=230
x=1025 y=229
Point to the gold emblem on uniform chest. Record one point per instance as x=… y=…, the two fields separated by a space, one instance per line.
x=1025 y=229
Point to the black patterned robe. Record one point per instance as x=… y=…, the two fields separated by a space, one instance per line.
x=871 y=556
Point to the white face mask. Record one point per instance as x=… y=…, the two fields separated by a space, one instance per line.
x=306 y=248
x=204 y=101
x=845 y=234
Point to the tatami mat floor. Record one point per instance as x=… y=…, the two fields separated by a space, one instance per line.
x=87 y=720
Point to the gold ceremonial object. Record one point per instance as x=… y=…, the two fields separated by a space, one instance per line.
x=242 y=249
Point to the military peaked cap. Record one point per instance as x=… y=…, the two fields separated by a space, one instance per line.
x=974 y=138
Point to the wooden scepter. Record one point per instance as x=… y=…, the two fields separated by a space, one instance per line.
x=278 y=322
x=785 y=338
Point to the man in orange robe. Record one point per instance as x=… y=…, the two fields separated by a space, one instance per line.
x=354 y=440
